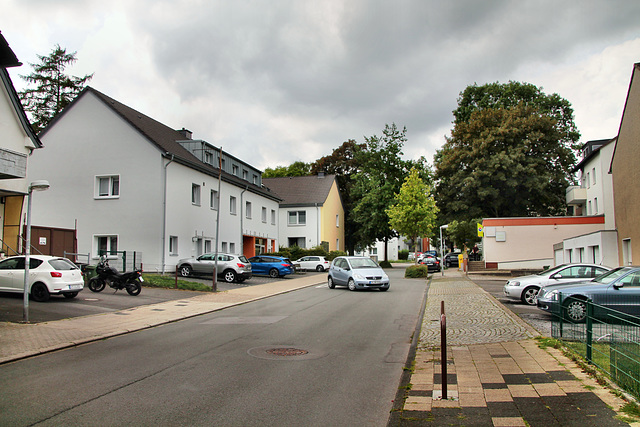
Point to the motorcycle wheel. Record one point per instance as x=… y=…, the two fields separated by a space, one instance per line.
x=134 y=287
x=96 y=284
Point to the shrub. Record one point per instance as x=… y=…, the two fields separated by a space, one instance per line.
x=385 y=264
x=403 y=255
x=416 y=271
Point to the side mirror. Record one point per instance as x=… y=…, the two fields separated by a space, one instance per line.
x=618 y=286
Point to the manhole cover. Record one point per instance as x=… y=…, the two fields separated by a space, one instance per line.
x=286 y=351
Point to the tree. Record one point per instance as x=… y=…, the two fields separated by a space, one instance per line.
x=343 y=164
x=294 y=169
x=382 y=172
x=54 y=90
x=413 y=213
x=464 y=233
x=506 y=157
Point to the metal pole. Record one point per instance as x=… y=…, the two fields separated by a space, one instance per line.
x=215 y=262
x=443 y=350
x=27 y=253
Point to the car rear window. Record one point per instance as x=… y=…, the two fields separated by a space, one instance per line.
x=243 y=258
x=62 y=264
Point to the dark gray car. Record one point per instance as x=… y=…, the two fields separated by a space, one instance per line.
x=232 y=268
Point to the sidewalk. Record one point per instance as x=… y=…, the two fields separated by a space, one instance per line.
x=496 y=373
x=18 y=341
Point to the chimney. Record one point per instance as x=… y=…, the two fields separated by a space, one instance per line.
x=186 y=133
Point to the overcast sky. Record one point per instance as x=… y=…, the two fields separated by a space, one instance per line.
x=277 y=81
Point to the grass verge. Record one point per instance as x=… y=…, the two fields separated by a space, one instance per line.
x=169 y=282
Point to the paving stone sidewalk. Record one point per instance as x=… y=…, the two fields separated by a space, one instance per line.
x=497 y=375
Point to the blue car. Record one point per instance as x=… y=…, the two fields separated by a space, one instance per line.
x=274 y=266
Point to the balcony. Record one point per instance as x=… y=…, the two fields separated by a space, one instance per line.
x=576 y=195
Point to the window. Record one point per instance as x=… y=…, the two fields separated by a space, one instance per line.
x=208 y=157
x=593 y=176
x=224 y=246
x=588 y=180
x=589 y=208
x=214 y=200
x=247 y=210
x=255 y=179
x=106 y=245
x=107 y=186
x=232 y=205
x=273 y=217
x=245 y=175
x=297 y=217
x=173 y=245
x=264 y=214
x=595 y=206
x=337 y=220
x=232 y=248
x=234 y=169
x=195 y=194
x=207 y=245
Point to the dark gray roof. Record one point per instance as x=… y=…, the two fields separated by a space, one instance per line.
x=301 y=190
x=165 y=139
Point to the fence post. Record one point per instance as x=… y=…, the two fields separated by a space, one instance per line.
x=561 y=317
x=177 y=269
x=589 y=326
x=443 y=350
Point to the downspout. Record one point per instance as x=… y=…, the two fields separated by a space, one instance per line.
x=318 y=219
x=164 y=215
x=242 y=220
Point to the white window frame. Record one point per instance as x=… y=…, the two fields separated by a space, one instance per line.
x=109 y=241
x=264 y=214
x=173 y=245
x=247 y=210
x=214 y=202
x=297 y=218
x=195 y=194
x=113 y=191
x=273 y=217
x=232 y=205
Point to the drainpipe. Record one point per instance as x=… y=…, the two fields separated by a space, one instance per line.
x=242 y=220
x=164 y=214
x=318 y=219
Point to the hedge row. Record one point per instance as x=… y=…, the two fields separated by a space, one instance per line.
x=294 y=253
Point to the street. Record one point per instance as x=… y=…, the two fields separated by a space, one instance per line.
x=315 y=356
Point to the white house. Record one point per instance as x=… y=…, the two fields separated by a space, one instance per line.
x=126 y=182
x=594 y=196
x=17 y=142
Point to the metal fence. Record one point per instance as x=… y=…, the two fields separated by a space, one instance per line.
x=607 y=338
x=123 y=260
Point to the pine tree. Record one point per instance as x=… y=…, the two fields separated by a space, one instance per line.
x=54 y=90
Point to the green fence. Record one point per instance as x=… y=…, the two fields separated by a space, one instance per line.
x=123 y=260
x=607 y=338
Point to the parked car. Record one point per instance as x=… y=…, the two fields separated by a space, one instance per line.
x=451 y=259
x=357 y=272
x=232 y=268
x=48 y=275
x=618 y=289
x=432 y=262
x=274 y=266
x=312 y=262
x=525 y=288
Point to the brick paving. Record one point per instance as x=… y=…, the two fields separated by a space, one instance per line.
x=497 y=375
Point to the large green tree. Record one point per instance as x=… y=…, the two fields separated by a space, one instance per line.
x=511 y=153
x=53 y=90
x=413 y=213
x=294 y=169
x=382 y=172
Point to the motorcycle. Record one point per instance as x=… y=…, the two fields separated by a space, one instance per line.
x=106 y=275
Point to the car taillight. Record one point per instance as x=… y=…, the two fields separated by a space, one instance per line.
x=240 y=265
x=55 y=274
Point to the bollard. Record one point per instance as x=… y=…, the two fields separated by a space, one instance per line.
x=176 y=284
x=443 y=350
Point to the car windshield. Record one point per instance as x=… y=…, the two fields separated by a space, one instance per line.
x=363 y=263
x=611 y=275
x=551 y=270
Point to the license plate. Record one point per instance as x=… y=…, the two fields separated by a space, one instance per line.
x=72 y=287
x=374 y=282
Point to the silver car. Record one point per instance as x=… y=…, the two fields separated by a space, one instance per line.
x=357 y=272
x=232 y=268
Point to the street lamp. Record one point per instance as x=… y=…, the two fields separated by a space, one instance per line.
x=39 y=185
x=442 y=248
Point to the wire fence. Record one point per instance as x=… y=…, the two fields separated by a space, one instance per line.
x=607 y=338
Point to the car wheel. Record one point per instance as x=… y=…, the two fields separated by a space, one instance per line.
x=185 y=271
x=229 y=276
x=274 y=273
x=39 y=292
x=330 y=283
x=320 y=268
x=529 y=295
x=576 y=310
x=71 y=295
x=352 y=285
x=447 y=264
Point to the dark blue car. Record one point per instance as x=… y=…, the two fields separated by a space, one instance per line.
x=274 y=266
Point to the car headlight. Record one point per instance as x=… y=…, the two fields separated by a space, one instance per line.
x=384 y=276
x=552 y=295
x=358 y=277
x=513 y=283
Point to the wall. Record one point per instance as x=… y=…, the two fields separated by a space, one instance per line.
x=529 y=241
x=332 y=233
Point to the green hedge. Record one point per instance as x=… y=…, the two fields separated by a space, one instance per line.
x=385 y=264
x=416 y=271
x=295 y=253
x=403 y=255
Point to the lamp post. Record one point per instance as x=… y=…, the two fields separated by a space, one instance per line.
x=442 y=248
x=39 y=185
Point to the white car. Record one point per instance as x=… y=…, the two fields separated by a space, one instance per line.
x=48 y=275
x=312 y=262
x=525 y=288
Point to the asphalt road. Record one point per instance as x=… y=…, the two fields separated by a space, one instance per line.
x=315 y=356
x=87 y=302
x=531 y=314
